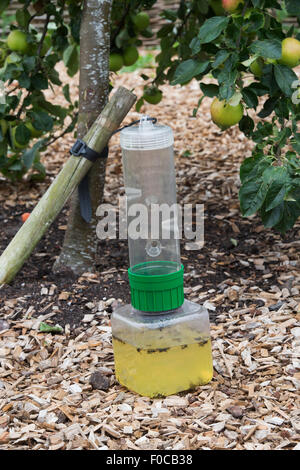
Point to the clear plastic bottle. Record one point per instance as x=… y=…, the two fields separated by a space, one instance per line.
x=149 y=178
x=155 y=273
x=161 y=341
x=162 y=354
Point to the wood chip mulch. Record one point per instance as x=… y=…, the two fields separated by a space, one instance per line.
x=48 y=399
x=58 y=391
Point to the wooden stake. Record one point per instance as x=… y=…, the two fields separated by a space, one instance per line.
x=26 y=239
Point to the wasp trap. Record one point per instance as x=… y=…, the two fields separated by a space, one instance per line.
x=161 y=341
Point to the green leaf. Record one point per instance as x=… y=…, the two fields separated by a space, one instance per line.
x=253 y=167
x=227 y=77
x=255 y=22
x=3 y=5
x=268 y=108
x=55 y=110
x=220 y=58
x=169 y=15
x=292 y=7
x=252 y=195
x=235 y=99
x=195 y=110
x=291 y=212
x=268 y=80
x=202 y=6
x=187 y=70
x=250 y=98
x=257 y=3
x=37 y=165
x=23 y=17
x=246 y=125
x=24 y=81
x=14 y=58
x=147 y=33
x=30 y=155
x=269 y=48
x=16 y=166
x=53 y=75
x=39 y=82
x=278 y=187
x=272 y=173
x=284 y=135
x=139 y=104
x=257 y=88
x=227 y=88
x=43 y=105
x=29 y=63
x=212 y=28
x=272 y=217
x=122 y=38
x=71 y=59
x=282 y=109
x=75 y=26
x=195 y=46
x=45 y=328
x=43 y=122
x=66 y=92
x=247 y=167
x=210 y=90
x=276 y=195
x=249 y=61
x=263 y=130
x=165 y=30
x=285 y=78
x=22 y=134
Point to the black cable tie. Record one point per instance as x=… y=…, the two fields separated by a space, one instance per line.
x=81 y=149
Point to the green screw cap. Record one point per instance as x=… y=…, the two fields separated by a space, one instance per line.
x=156 y=286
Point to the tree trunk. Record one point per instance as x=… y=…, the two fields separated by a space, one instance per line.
x=23 y=243
x=80 y=243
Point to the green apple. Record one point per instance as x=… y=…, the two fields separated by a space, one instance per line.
x=130 y=55
x=141 y=21
x=225 y=115
x=34 y=132
x=4 y=126
x=290 y=52
x=257 y=67
x=152 y=95
x=115 y=62
x=15 y=144
x=231 y=6
x=17 y=41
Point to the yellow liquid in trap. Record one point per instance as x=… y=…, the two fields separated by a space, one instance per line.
x=155 y=372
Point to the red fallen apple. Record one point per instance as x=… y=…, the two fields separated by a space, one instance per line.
x=25 y=216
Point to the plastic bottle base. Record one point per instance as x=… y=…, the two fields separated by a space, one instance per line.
x=163 y=371
x=163 y=394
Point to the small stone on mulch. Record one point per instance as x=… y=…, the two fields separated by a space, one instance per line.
x=99 y=381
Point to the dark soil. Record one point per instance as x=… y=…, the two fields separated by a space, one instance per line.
x=217 y=264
